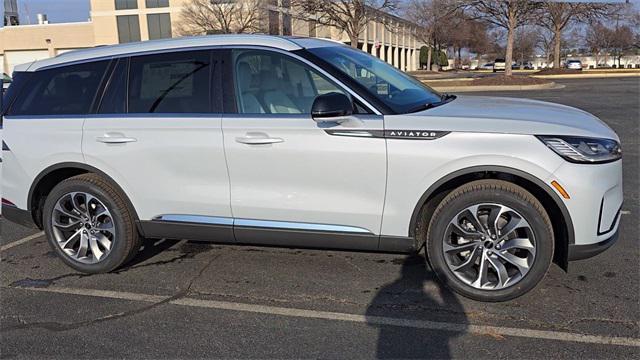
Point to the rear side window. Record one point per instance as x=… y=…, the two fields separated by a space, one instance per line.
x=67 y=90
x=115 y=96
x=170 y=83
x=20 y=78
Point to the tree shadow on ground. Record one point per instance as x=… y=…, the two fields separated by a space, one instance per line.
x=406 y=298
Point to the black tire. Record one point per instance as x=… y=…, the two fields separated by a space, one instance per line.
x=498 y=192
x=127 y=241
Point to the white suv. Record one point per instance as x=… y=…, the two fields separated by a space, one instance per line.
x=301 y=142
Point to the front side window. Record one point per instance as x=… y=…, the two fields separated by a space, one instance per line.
x=400 y=92
x=170 y=83
x=67 y=90
x=273 y=83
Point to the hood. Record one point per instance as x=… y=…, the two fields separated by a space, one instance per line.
x=508 y=115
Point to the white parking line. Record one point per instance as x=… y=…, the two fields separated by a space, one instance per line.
x=21 y=241
x=356 y=318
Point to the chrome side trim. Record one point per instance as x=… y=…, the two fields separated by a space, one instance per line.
x=197 y=219
x=216 y=220
x=299 y=226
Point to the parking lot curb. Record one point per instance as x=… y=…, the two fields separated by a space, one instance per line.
x=588 y=75
x=550 y=86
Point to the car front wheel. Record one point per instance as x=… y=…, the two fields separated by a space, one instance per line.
x=490 y=240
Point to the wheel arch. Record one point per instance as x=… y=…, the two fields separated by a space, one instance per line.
x=48 y=178
x=561 y=220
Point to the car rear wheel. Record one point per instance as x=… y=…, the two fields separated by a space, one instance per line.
x=89 y=225
x=490 y=240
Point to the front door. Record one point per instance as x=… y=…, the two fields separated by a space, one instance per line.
x=293 y=178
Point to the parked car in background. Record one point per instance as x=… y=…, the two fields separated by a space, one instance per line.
x=253 y=139
x=574 y=64
x=527 y=65
x=487 y=66
x=499 y=65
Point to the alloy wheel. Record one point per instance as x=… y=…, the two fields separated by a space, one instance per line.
x=83 y=227
x=489 y=246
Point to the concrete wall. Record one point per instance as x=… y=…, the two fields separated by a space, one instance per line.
x=25 y=43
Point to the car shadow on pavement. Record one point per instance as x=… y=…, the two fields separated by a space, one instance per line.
x=407 y=298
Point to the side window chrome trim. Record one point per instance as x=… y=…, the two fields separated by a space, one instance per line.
x=268 y=224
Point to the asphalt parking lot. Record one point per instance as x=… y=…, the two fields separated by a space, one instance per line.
x=183 y=299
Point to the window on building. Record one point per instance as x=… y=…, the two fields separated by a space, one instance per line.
x=313 y=28
x=274 y=22
x=156 y=3
x=67 y=90
x=159 y=26
x=128 y=28
x=126 y=4
x=286 y=24
x=175 y=82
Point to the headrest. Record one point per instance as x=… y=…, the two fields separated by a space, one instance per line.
x=244 y=76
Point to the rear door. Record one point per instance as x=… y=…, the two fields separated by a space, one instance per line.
x=294 y=180
x=157 y=132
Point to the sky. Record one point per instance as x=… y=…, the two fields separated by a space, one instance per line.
x=71 y=10
x=57 y=10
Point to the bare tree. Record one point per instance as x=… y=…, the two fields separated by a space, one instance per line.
x=525 y=44
x=221 y=17
x=599 y=40
x=556 y=16
x=545 y=44
x=430 y=15
x=622 y=40
x=349 y=16
x=506 y=14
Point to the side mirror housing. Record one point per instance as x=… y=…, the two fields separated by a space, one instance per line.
x=329 y=107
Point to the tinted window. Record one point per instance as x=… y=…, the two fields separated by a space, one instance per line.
x=128 y=28
x=272 y=83
x=114 y=99
x=126 y=4
x=397 y=90
x=170 y=83
x=67 y=90
x=20 y=78
x=157 y=3
x=159 y=26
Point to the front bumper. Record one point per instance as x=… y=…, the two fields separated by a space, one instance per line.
x=595 y=201
x=18 y=216
x=579 y=252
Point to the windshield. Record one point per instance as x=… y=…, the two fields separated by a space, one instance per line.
x=400 y=92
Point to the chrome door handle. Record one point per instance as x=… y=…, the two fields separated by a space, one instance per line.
x=258 y=139
x=113 y=138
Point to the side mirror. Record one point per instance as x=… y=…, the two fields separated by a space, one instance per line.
x=330 y=106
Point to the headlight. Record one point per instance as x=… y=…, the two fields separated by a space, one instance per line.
x=582 y=149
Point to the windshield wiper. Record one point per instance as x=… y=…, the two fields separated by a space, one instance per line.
x=423 y=107
x=445 y=98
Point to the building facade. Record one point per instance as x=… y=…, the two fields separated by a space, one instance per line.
x=121 y=21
